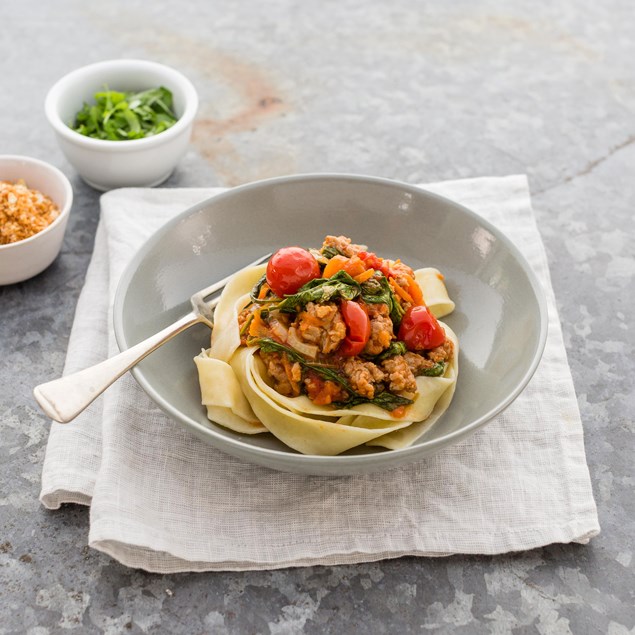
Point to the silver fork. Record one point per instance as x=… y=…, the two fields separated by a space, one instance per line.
x=63 y=399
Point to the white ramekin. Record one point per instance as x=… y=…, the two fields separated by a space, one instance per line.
x=26 y=258
x=135 y=163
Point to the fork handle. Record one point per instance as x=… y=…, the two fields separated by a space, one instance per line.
x=63 y=399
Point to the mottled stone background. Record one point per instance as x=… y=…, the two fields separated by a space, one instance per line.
x=418 y=91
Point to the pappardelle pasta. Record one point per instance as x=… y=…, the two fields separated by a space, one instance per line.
x=329 y=349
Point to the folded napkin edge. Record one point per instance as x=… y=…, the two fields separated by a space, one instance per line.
x=578 y=530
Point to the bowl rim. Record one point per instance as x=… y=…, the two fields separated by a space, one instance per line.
x=59 y=175
x=57 y=90
x=287 y=457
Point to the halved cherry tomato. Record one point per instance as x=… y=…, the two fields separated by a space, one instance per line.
x=420 y=330
x=357 y=328
x=290 y=268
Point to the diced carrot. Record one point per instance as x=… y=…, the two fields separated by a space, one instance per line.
x=334 y=265
x=400 y=292
x=263 y=291
x=322 y=392
x=414 y=291
x=257 y=326
x=398 y=412
x=440 y=276
x=355 y=266
x=362 y=277
x=352 y=266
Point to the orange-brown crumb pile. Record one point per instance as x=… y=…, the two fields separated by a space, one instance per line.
x=23 y=212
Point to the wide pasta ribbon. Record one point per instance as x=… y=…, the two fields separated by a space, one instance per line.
x=238 y=394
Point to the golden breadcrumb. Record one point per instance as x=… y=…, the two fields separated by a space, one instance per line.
x=23 y=212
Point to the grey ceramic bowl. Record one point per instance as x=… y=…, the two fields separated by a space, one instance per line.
x=500 y=319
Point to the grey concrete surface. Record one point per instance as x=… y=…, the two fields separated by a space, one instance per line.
x=418 y=91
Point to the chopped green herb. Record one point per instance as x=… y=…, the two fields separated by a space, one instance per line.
x=118 y=116
x=339 y=285
x=395 y=348
x=328 y=252
x=435 y=371
x=376 y=290
x=255 y=292
x=247 y=324
x=386 y=400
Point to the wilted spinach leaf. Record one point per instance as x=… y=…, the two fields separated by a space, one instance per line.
x=339 y=285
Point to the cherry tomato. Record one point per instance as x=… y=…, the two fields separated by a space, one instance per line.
x=420 y=330
x=357 y=328
x=290 y=268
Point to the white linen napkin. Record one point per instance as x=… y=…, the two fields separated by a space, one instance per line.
x=164 y=501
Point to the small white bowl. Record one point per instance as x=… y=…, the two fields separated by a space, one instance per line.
x=135 y=163
x=26 y=258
